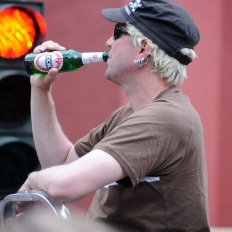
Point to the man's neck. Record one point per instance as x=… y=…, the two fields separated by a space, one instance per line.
x=144 y=91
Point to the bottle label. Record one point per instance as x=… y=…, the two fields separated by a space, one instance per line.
x=91 y=57
x=47 y=60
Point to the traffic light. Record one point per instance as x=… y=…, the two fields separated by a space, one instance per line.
x=22 y=27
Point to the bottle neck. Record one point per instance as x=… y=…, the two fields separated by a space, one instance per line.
x=94 y=57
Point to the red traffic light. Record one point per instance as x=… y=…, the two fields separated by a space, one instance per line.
x=20 y=29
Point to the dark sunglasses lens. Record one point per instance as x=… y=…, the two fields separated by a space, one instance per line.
x=117 y=32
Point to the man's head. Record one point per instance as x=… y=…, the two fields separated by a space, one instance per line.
x=164 y=22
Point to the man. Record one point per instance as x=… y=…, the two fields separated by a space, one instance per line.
x=147 y=160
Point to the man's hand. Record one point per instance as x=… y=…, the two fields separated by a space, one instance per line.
x=22 y=207
x=38 y=81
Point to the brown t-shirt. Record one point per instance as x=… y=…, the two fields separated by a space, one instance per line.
x=161 y=148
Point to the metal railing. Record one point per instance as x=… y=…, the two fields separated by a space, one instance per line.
x=8 y=205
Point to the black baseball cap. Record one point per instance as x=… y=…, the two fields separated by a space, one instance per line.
x=164 y=22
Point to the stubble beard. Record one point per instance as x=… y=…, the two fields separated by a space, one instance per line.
x=111 y=76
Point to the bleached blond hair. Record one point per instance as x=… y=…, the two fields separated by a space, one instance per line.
x=164 y=66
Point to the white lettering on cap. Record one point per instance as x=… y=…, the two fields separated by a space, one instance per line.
x=133 y=5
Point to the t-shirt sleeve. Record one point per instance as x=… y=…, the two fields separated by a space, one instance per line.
x=87 y=143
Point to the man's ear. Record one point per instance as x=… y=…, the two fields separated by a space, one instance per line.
x=145 y=50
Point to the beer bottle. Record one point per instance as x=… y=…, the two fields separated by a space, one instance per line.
x=63 y=60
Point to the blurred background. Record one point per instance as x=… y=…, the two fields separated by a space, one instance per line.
x=85 y=98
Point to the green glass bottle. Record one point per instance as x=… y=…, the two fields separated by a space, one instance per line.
x=63 y=60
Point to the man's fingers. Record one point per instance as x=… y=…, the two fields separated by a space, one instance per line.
x=48 y=46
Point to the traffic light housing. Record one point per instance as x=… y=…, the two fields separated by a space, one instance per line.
x=22 y=27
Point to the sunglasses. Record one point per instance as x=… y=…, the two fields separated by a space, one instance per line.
x=118 y=31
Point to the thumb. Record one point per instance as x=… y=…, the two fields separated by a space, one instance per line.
x=51 y=77
x=53 y=74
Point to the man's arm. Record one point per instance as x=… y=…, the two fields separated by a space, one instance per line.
x=73 y=181
x=52 y=146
